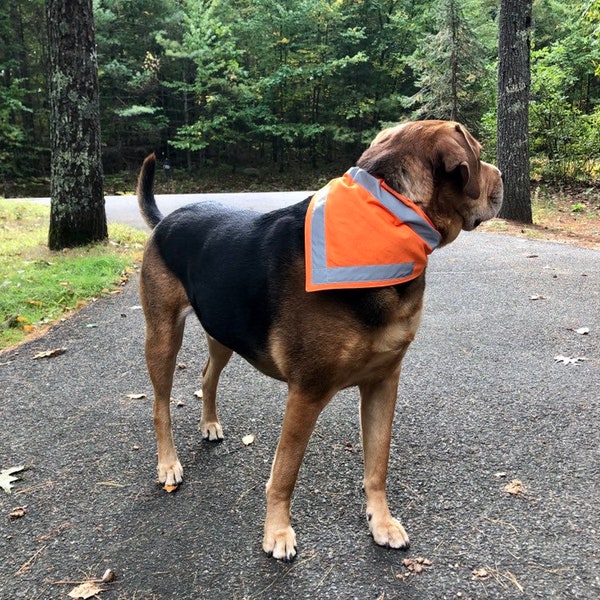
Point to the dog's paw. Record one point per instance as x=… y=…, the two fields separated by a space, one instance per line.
x=170 y=474
x=388 y=532
x=211 y=431
x=280 y=544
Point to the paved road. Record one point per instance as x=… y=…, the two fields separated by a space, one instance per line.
x=124 y=209
x=482 y=403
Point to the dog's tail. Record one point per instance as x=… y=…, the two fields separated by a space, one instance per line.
x=145 y=193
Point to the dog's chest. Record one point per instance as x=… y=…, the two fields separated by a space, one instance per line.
x=396 y=336
x=389 y=343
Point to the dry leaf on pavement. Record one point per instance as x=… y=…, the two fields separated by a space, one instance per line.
x=515 y=487
x=480 y=573
x=7 y=477
x=569 y=360
x=50 y=353
x=17 y=513
x=414 y=565
x=86 y=590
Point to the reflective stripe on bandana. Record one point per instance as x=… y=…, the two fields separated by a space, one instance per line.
x=360 y=233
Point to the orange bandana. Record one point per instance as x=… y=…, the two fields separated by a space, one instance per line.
x=359 y=233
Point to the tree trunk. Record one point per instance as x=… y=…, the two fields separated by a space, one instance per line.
x=513 y=108
x=77 y=215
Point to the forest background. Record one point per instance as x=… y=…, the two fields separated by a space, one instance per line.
x=288 y=93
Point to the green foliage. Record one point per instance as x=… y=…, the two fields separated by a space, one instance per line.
x=12 y=134
x=450 y=65
x=564 y=113
x=38 y=286
x=132 y=68
x=23 y=112
x=280 y=82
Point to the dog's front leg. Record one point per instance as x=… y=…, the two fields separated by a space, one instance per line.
x=377 y=405
x=301 y=415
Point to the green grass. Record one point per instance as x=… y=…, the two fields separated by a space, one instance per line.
x=37 y=286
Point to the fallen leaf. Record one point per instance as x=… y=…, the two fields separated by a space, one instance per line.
x=583 y=330
x=169 y=488
x=515 y=487
x=6 y=478
x=569 y=360
x=28 y=328
x=500 y=474
x=416 y=565
x=50 y=353
x=248 y=439
x=17 y=513
x=181 y=366
x=480 y=573
x=537 y=297
x=198 y=393
x=136 y=396
x=86 y=590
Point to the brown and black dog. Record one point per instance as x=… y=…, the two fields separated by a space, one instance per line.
x=243 y=273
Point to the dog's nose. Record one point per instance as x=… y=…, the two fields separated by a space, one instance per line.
x=477 y=223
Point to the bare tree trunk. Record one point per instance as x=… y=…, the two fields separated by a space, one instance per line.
x=513 y=108
x=77 y=215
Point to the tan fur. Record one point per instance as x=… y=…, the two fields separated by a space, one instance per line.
x=317 y=344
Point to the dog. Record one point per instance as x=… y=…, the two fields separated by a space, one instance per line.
x=244 y=274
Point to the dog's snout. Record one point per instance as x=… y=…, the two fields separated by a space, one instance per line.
x=477 y=223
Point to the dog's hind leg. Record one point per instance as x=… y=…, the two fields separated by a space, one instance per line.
x=218 y=357
x=377 y=404
x=165 y=306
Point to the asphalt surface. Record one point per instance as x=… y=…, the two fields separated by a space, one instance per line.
x=124 y=209
x=482 y=402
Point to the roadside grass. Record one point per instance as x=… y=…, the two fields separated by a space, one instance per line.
x=38 y=287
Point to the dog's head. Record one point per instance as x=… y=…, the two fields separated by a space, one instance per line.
x=437 y=165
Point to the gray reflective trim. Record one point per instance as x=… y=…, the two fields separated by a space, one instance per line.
x=419 y=225
x=317 y=250
x=335 y=275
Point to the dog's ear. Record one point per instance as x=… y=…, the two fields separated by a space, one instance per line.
x=460 y=150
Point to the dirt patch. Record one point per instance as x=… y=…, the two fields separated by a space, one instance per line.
x=568 y=215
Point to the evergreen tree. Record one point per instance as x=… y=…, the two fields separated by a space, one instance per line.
x=450 y=69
